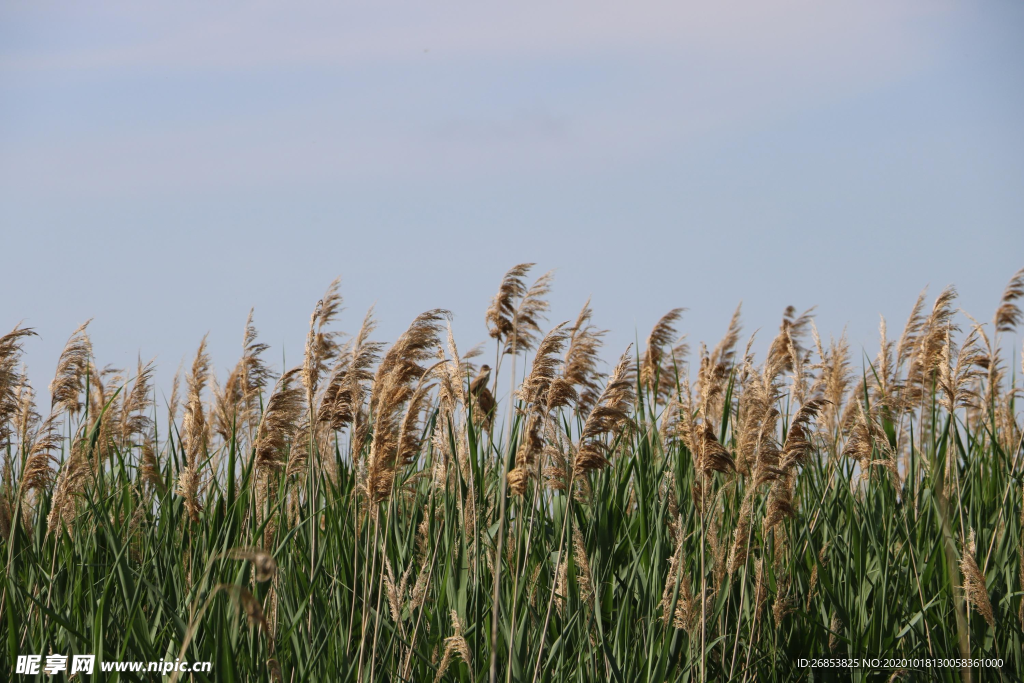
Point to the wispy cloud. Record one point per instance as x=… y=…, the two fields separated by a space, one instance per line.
x=263 y=34
x=399 y=89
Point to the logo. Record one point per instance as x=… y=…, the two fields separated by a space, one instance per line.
x=55 y=664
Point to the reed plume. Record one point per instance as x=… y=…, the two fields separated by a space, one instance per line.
x=662 y=335
x=321 y=345
x=834 y=381
x=38 y=472
x=795 y=453
x=74 y=474
x=686 y=614
x=172 y=402
x=543 y=375
x=792 y=331
x=26 y=418
x=529 y=314
x=136 y=427
x=885 y=379
x=835 y=632
x=929 y=344
x=798 y=445
x=327 y=344
x=911 y=331
x=610 y=413
x=974 y=582
x=760 y=590
x=134 y=423
x=284 y=407
x=105 y=399
x=715 y=367
x=68 y=382
x=194 y=434
x=714 y=457
x=409 y=433
x=955 y=370
x=738 y=552
x=12 y=380
x=1009 y=315
x=755 y=401
x=66 y=396
x=542 y=391
x=227 y=411
x=501 y=313
x=454 y=644
x=516 y=311
x=581 y=360
x=452 y=392
x=724 y=352
x=342 y=403
x=253 y=373
x=584 y=577
x=393 y=389
x=867 y=438
x=396 y=590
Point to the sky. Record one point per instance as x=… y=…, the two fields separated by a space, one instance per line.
x=164 y=167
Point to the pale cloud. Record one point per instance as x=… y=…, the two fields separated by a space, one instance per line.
x=262 y=34
x=657 y=75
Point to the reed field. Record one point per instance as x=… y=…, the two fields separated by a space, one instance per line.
x=384 y=511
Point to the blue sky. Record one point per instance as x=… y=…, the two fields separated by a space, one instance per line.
x=165 y=168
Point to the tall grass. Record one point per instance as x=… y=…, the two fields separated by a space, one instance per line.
x=373 y=515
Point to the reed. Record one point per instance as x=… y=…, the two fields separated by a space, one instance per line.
x=387 y=512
